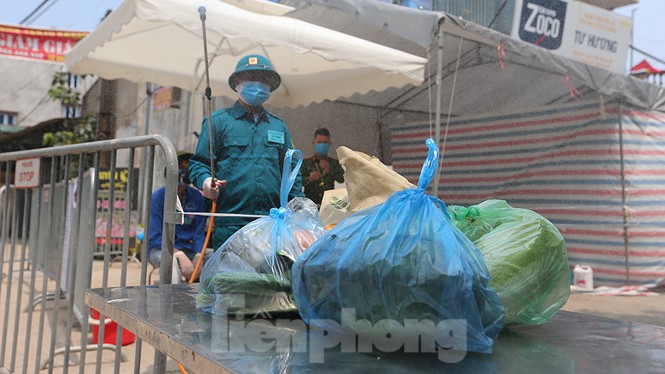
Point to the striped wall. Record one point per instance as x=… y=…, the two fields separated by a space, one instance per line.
x=565 y=163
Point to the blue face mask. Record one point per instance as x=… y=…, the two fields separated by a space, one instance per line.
x=254 y=93
x=321 y=148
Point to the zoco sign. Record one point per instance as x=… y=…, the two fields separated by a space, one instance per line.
x=542 y=22
x=575 y=30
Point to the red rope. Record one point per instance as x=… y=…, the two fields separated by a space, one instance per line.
x=500 y=53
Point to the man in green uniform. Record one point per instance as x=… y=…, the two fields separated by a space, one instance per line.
x=320 y=172
x=249 y=146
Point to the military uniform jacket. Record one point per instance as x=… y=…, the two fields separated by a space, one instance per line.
x=314 y=190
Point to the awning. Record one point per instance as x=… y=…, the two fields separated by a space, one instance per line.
x=160 y=41
x=644 y=68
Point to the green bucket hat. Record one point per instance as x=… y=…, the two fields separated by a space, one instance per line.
x=251 y=65
x=183 y=155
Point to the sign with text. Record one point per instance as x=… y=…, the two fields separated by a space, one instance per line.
x=575 y=30
x=38 y=44
x=120 y=187
x=166 y=98
x=27 y=173
x=541 y=22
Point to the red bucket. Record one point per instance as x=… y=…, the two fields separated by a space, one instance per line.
x=110 y=331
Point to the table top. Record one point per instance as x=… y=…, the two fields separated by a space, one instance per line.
x=165 y=316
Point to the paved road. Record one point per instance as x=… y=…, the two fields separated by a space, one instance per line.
x=644 y=309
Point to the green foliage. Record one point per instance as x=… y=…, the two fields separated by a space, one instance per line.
x=83 y=131
x=60 y=91
x=85 y=128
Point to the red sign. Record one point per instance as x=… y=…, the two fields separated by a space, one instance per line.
x=38 y=44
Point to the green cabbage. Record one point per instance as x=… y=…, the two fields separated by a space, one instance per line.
x=525 y=255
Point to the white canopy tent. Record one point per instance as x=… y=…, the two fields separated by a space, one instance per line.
x=480 y=70
x=493 y=72
x=160 y=41
x=581 y=145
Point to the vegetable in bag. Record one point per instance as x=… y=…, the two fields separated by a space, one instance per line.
x=400 y=261
x=251 y=272
x=525 y=255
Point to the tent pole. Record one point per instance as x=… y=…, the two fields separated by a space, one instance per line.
x=437 y=118
x=623 y=196
x=143 y=193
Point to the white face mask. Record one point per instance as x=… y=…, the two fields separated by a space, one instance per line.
x=253 y=93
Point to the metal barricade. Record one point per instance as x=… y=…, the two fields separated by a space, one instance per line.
x=57 y=240
x=119 y=205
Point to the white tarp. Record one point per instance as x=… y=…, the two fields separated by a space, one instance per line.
x=492 y=71
x=160 y=41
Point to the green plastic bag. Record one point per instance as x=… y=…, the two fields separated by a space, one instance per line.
x=525 y=255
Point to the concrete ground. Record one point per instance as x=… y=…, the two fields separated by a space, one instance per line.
x=643 y=309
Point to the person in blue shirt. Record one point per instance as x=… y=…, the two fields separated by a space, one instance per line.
x=249 y=146
x=190 y=236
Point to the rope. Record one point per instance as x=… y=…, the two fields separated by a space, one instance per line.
x=450 y=105
x=571 y=89
x=429 y=96
x=500 y=53
x=209 y=232
x=224 y=215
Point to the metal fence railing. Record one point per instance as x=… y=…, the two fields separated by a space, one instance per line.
x=69 y=218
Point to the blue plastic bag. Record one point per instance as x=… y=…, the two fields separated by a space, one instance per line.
x=398 y=262
x=251 y=272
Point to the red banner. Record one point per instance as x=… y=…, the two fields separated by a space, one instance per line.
x=38 y=44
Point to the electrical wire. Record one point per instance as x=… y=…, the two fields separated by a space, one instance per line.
x=41 y=13
x=37 y=9
x=86 y=13
x=32 y=111
x=33 y=12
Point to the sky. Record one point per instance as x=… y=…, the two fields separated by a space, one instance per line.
x=648 y=30
x=85 y=15
x=75 y=15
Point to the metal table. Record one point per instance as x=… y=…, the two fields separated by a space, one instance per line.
x=165 y=316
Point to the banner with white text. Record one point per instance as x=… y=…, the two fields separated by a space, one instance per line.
x=38 y=44
x=575 y=30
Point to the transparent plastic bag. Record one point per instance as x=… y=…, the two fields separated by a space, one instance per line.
x=251 y=272
x=525 y=255
x=399 y=261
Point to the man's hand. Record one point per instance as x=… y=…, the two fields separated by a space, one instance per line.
x=314 y=176
x=186 y=266
x=325 y=165
x=210 y=191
